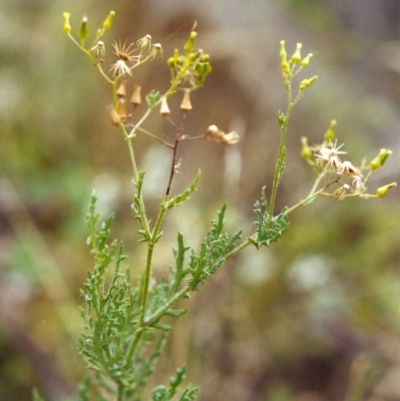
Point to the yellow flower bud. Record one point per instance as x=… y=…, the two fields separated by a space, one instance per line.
x=296 y=58
x=83 y=32
x=383 y=191
x=67 y=26
x=306 y=60
x=283 y=56
x=305 y=152
x=380 y=160
x=189 y=46
x=330 y=133
x=109 y=20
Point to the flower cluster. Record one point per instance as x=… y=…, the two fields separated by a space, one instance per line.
x=328 y=162
x=189 y=70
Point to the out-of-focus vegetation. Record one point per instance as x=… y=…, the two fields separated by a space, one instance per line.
x=317 y=318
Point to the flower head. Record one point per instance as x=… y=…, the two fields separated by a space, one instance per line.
x=156 y=50
x=144 y=43
x=124 y=52
x=328 y=157
x=99 y=49
x=120 y=68
x=216 y=135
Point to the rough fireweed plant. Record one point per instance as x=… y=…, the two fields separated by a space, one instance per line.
x=124 y=329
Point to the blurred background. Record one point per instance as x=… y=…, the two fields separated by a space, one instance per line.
x=315 y=317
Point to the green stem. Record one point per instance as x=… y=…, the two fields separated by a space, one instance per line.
x=281 y=151
x=94 y=61
x=139 y=123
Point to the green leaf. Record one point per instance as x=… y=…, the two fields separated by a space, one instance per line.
x=152 y=98
x=268 y=229
x=179 y=199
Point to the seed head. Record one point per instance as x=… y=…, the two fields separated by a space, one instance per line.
x=120 y=68
x=144 y=43
x=124 y=52
x=216 y=135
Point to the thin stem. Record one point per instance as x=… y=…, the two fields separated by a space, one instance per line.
x=173 y=168
x=281 y=150
x=140 y=122
x=95 y=62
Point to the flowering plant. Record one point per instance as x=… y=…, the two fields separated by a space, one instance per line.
x=125 y=330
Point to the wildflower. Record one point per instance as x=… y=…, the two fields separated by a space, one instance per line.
x=124 y=52
x=164 y=109
x=216 y=135
x=156 y=50
x=186 y=104
x=136 y=98
x=342 y=191
x=99 y=49
x=114 y=116
x=383 y=191
x=230 y=139
x=120 y=68
x=144 y=43
x=328 y=157
x=380 y=160
x=348 y=169
x=357 y=185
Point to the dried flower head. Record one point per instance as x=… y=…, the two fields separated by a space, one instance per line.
x=120 y=68
x=216 y=135
x=124 y=52
x=99 y=50
x=348 y=170
x=342 y=191
x=144 y=43
x=156 y=51
x=328 y=157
